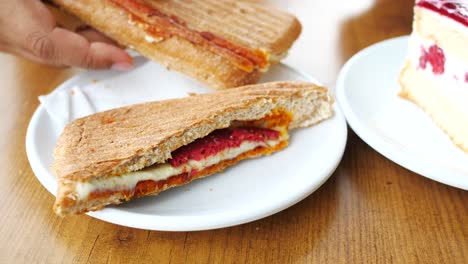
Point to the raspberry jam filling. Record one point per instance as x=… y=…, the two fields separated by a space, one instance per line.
x=213 y=153
x=435 y=57
x=454 y=9
x=219 y=140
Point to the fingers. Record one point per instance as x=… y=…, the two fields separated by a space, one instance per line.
x=36 y=36
x=86 y=50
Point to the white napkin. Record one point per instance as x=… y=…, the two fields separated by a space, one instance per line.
x=95 y=91
x=64 y=106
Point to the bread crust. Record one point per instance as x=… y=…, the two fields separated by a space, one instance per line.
x=130 y=138
x=179 y=54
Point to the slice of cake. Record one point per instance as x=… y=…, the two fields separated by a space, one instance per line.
x=435 y=75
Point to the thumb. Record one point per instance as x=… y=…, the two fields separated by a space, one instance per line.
x=63 y=47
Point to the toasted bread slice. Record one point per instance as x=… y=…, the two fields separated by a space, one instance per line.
x=128 y=139
x=222 y=43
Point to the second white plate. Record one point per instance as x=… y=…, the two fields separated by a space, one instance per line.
x=367 y=90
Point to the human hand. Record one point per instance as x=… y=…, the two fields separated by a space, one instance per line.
x=28 y=29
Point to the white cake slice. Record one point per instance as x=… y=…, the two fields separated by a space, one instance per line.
x=435 y=74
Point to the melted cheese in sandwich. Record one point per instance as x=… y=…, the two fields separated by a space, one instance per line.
x=160 y=172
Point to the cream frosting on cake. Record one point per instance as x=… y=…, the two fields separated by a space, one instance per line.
x=435 y=75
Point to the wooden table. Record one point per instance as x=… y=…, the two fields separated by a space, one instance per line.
x=370 y=210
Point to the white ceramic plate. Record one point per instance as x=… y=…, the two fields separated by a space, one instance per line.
x=248 y=191
x=367 y=90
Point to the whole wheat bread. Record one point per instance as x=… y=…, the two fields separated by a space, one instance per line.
x=130 y=138
x=245 y=24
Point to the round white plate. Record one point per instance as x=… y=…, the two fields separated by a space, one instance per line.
x=245 y=192
x=367 y=90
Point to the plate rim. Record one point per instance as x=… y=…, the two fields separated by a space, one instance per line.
x=420 y=166
x=147 y=221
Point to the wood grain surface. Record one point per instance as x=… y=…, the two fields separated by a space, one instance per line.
x=370 y=211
